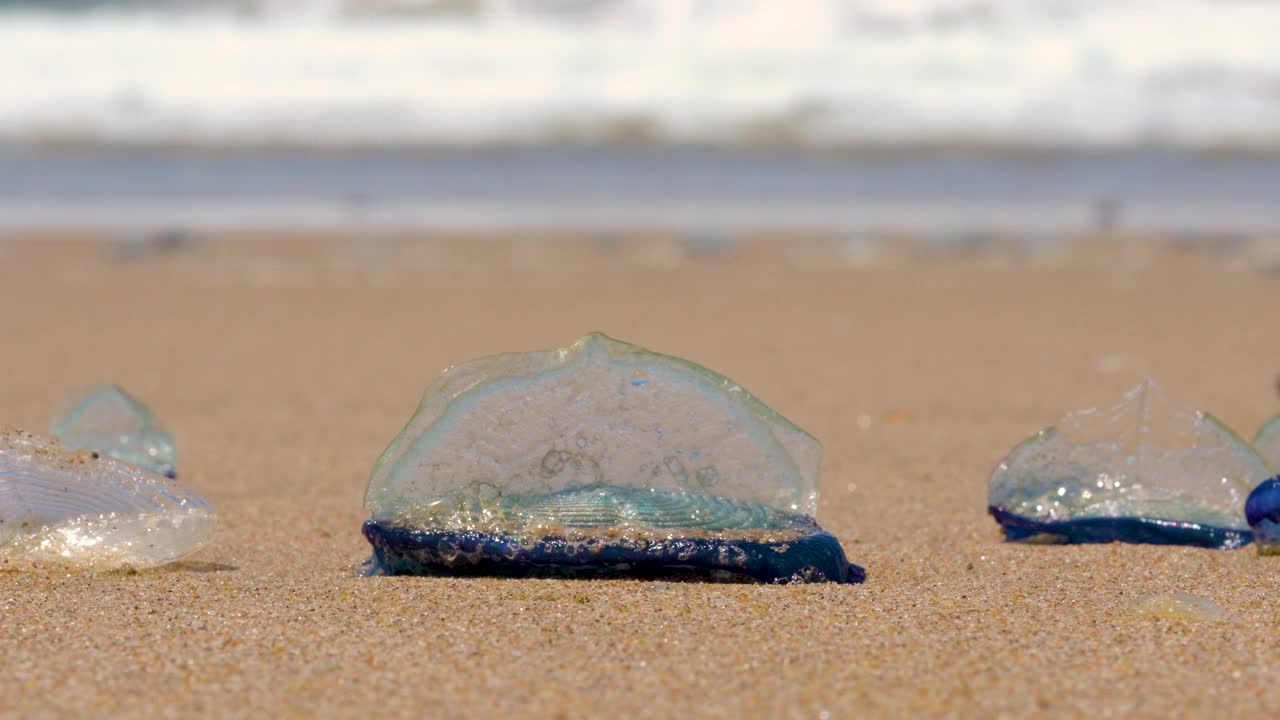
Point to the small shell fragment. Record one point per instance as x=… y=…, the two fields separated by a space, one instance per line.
x=1178 y=606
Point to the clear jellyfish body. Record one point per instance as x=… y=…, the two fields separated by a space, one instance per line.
x=599 y=440
x=91 y=510
x=1141 y=471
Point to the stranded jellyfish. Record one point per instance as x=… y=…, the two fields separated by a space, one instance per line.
x=110 y=421
x=1140 y=471
x=91 y=510
x=601 y=459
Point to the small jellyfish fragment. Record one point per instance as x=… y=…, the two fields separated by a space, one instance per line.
x=108 y=420
x=1178 y=606
x=1138 y=472
x=599 y=459
x=1267 y=442
x=90 y=510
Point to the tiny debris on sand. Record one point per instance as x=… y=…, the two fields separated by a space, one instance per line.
x=1179 y=606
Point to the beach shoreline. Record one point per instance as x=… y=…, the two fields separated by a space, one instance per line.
x=616 y=187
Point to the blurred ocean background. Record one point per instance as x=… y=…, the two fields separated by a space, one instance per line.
x=818 y=113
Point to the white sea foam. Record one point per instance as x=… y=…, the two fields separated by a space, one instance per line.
x=1183 y=72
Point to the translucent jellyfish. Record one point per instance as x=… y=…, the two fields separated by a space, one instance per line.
x=90 y=510
x=108 y=420
x=599 y=459
x=1139 y=472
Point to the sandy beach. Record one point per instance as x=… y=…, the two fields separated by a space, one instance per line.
x=283 y=364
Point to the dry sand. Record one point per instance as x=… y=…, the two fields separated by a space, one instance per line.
x=283 y=365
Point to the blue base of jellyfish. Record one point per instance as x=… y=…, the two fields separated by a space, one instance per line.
x=813 y=557
x=1150 y=531
x=1262 y=510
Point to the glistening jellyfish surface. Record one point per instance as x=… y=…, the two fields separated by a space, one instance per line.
x=1141 y=471
x=108 y=420
x=90 y=510
x=599 y=459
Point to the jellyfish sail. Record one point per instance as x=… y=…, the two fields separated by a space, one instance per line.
x=1141 y=471
x=1267 y=443
x=89 y=510
x=108 y=420
x=599 y=459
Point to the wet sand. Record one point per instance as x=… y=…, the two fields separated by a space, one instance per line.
x=284 y=364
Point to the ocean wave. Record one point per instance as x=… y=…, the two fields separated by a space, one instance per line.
x=820 y=73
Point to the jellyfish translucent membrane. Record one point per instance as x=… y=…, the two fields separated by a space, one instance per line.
x=1267 y=443
x=599 y=459
x=89 y=510
x=1141 y=471
x=110 y=421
